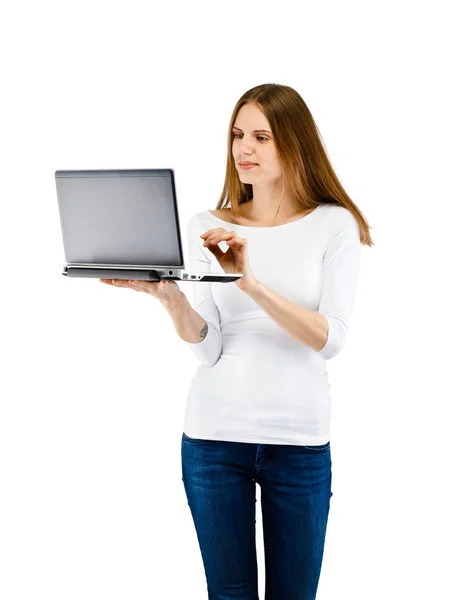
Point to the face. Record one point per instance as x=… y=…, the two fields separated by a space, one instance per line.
x=253 y=142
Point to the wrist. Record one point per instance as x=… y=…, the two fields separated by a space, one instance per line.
x=174 y=303
x=254 y=288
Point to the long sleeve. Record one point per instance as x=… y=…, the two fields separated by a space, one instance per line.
x=340 y=272
x=209 y=350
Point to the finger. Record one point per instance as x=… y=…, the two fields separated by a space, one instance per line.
x=216 y=238
x=143 y=286
x=121 y=283
x=212 y=244
x=136 y=285
x=220 y=231
x=216 y=251
x=149 y=286
x=237 y=241
x=209 y=231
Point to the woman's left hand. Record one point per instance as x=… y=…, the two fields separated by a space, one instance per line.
x=235 y=259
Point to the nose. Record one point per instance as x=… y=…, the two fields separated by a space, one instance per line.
x=245 y=147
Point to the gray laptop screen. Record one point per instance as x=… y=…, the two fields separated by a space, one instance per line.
x=119 y=217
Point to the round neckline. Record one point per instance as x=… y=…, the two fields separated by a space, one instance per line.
x=266 y=227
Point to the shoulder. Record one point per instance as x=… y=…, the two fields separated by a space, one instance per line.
x=222 y=213
x=201 y=221
x=205 y=218
x=198 y=217
x=342 y=228
x=338 y=217
x=339 y=213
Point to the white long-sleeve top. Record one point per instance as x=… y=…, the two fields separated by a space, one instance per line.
x=255 y=382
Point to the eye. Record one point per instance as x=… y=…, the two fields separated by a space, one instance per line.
x=258 y=137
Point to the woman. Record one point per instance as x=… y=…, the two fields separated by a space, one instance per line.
x=258 y=410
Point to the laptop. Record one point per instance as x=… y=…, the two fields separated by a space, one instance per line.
x=123 y=224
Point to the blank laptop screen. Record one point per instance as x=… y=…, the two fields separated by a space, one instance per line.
x=119 y=217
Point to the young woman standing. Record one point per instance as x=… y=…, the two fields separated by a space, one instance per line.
x=258 y=410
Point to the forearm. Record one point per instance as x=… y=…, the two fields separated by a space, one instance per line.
x=304 y=325
x=190 y=326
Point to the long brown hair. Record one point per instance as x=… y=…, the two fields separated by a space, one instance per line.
x=306 y=167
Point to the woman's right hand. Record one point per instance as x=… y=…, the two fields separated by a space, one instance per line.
x=166 y=291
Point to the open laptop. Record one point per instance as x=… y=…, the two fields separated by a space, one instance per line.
x=123 y=224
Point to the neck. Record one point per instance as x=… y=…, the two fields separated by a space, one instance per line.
x=268 y=210
x=270 y=203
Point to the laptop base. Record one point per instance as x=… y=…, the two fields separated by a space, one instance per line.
x=146 y=274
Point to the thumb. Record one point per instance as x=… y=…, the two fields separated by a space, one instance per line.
x=216 y=251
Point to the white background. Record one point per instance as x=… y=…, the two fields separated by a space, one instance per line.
x=94 y=378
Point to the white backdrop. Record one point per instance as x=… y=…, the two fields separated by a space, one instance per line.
x=94 y=378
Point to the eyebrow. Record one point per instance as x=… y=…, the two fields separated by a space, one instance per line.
x=255 y=131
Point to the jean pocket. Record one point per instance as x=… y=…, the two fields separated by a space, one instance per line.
x=318 y=449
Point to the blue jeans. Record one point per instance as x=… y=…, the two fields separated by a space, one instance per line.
x=220 y=482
